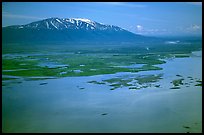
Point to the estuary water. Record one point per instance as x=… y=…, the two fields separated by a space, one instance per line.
x=71 y=104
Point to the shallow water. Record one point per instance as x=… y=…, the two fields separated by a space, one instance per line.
x=71 y=104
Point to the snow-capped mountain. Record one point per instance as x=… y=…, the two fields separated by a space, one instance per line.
x=66 y=24
x=67 y=29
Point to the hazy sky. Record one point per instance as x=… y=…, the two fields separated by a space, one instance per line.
x=147 y=18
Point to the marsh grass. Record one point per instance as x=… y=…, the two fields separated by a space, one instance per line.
x=96 y=59
x=132 y=82
x=178 y=82
x=199 y=83
x=102 y=63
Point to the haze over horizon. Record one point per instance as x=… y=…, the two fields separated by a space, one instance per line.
x=145 y=18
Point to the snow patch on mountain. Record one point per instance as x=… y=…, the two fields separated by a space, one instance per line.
x=84 y=20
x=53 y=25
x=47 y=25
x=69 y=23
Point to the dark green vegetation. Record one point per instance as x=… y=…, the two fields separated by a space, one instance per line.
x=177 y=82
x=76 y=64
x=40 y=61
x=187 y=81
x=199 y=83
x=186 y=127
x=132 y=81
x=149 y=78
x=104 y=113
x=43 y=83
x=175 y=88
x=95 y=82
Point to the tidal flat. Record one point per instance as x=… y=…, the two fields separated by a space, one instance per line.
x=108 y=96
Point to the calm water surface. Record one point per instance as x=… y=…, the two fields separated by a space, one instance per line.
x=71 y=104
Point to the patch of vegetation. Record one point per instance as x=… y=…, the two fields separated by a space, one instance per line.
x=113 y=88
x=104 y=114
x=148 y=78
x=16 y=63
x=103 y=63
x=181 y=55
x=135 y=88
x=95 y=82
x=177 y=82
x=43 y=83
x=186 y=127
x=113 y=80
x=39 y=78
x=133 y=82
x=104 y=59
x=157 y=86
x=175 y=88
x=199 y=83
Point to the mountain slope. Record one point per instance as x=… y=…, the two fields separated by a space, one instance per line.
x=67 y=30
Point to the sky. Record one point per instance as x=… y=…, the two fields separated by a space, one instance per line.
x=145 y=18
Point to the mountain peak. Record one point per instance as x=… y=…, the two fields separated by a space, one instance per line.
x=83 y=19
x=55 y=23
x=67 y=29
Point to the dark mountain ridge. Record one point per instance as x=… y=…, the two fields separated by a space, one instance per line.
x=68 y=30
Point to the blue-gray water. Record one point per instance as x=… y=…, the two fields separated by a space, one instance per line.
x=71 y=104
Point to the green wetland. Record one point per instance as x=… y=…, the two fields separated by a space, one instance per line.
x=119 y=88
x=28 y=60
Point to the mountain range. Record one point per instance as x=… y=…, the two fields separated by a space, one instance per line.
x=68 y=30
